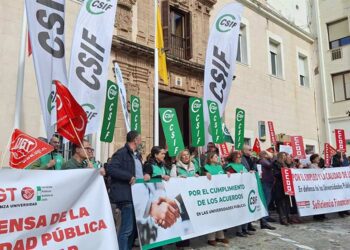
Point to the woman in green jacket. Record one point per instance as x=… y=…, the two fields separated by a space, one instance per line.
x=213 y=167
x=154 y=167
x=184 y=165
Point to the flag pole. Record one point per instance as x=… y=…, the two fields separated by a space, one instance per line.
x=20 y=71
x=156 y=80
x=7 y=149
x=81 y=144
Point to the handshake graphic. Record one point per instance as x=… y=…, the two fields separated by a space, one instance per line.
x=166 y=211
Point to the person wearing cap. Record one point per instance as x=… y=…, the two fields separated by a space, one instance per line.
x=52 y=160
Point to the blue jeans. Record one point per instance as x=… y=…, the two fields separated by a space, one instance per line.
x=267 y=188
x=127 y=226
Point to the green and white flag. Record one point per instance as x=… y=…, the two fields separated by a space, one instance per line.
x=171 y=130
x=197 y=122
x=215 y=122
x=227 y=135
x=239 y=129
x=110 y=113
x=135 y=114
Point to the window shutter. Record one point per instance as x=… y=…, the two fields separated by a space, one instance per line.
x=188 y=35
x=165 y=16
x=338 y=30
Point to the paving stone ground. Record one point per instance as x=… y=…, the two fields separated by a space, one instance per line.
x=333 y=233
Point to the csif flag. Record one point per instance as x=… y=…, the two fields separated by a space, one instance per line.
x=71 y=117
x=25 y=149
x=46 y=26
x=91 y=50
x=221 y=58
x=256 y=147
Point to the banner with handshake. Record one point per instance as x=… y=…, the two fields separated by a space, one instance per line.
x=179 y=209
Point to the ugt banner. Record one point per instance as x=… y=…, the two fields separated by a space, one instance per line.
x=46 y=28
x=135 y=113
x=40 y=211
x=199 y=206
x=110 y=113
x=171 y=130
x=90 y=57
x=239 y=129
x=220 y=59
x=197 y=122
x=321 y=191
x=215 y=123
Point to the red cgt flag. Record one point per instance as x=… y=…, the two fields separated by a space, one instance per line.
x=256 y=147
x=25 y=149
x=71 y=117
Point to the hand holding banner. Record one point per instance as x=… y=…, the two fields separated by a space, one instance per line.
x=25 y=149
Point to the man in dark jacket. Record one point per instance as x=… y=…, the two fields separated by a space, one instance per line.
x=124 y=168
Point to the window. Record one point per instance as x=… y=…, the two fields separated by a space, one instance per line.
x=338 y=33
x=242 y=53
x=247 y=141
x=177 y=31
x=341 y=86
x=303 y=70
x=262 y=130
x=275 y=58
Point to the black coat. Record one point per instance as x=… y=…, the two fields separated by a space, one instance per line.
x=121 y=170
x=277 y=189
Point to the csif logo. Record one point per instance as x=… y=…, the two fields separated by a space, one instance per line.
x=226 y=23
x=89 y=109
x=112 y=92
x=225 y=130
x=168 y=116
x=196 y=105
x=252 y=201
x=135 y=105
x=240 y=115
x=213 y=107
x=97 y=7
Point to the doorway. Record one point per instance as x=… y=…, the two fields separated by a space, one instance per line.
x=180 y=104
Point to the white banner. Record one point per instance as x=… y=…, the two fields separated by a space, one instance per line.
x=123 y=96
x=204 y=206
x=221 y=58
x=91 y=49
x=46 y=28
x=67 y=210
x=321 y=191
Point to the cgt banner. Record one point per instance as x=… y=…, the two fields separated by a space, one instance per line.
x=202 y=207
x=90 y=54
x=38 y=210
x=321 y=191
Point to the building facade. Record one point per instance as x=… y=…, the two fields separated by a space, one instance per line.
x=276 y=79
x=333 y=31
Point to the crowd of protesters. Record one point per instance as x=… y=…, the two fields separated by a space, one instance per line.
x=126 y=166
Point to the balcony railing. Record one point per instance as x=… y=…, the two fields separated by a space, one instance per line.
x=178 y=46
